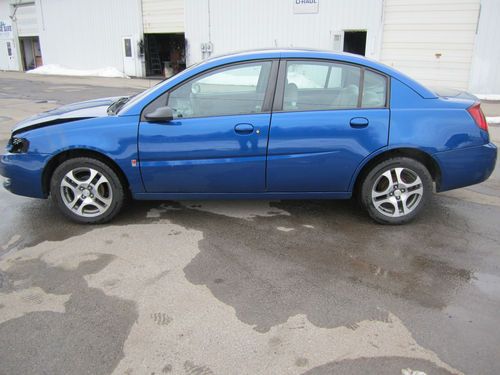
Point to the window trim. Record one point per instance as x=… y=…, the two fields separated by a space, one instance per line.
x=269 y=94
x=280 y=85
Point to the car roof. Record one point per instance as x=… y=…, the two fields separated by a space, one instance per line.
x=320 y=54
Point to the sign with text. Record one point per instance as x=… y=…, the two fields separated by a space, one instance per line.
x=5 y=29
x=305 y=6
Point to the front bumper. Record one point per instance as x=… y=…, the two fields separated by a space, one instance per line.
x=466 y=166
x=23 y=173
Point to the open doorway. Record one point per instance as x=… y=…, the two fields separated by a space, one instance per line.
x=30 y=52
x=165 y=54
x=355 y=42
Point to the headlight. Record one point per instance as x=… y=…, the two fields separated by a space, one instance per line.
x=17 y=145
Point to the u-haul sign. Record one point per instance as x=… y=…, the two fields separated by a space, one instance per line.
x=305 y=6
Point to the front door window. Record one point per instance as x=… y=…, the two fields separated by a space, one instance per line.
x=234 y=90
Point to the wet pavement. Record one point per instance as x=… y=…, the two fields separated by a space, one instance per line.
x=281 y=287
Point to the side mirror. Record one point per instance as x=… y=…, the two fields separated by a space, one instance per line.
x=160 y=114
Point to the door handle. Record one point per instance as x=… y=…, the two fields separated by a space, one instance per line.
x=244 y=128
x=359 y=122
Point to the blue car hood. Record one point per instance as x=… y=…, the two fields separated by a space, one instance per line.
x=70 y=112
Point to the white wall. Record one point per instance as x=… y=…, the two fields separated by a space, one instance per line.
x=416 y=32
x=88 y=34
x=7 y=63
x=485 y=73
x=251 y=24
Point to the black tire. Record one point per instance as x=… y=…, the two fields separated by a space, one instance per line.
x=114 y=190
x=374 y=176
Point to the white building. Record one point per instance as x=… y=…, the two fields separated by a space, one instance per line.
x=438 y=42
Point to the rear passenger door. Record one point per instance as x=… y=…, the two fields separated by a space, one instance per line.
x=327 y=117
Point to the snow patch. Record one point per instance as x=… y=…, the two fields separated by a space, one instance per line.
x=58 y=70
x=285 y=229
x=488 y=96
x=409 y=371
x=493 y=120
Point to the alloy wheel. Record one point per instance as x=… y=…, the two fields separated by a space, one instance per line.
x=397 y=192
x=86 y=192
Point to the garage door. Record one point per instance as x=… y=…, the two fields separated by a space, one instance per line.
x=26 y=20
x=162 y=16
x=431 y=40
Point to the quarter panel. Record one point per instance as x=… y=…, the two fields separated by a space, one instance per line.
x=432 y=125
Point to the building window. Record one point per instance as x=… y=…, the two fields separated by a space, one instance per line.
x=128 y=47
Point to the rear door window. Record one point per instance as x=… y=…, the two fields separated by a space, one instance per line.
x=312 y=85
x=318 y=85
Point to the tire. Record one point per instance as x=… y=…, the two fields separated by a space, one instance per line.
x=87 y=190
x=396 y=190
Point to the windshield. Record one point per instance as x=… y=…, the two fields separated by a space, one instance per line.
x=138 y=97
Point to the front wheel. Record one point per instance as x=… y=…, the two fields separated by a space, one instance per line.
x=396 y=190
x=87 y=190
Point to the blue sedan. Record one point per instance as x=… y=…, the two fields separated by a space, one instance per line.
x=276 y=124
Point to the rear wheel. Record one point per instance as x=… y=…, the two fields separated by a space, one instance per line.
x=87 y=190
x=396 y=190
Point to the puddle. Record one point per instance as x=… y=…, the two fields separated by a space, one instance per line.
x=87 y=333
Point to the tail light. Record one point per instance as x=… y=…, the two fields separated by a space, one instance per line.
x=478 y=116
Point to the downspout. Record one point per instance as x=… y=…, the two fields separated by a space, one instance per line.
x=142 y=37
x=380 y=41
x=15 y=38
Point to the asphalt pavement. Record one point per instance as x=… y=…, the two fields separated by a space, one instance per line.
x=249 y=287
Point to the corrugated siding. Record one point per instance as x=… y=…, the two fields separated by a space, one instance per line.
x=26 y=20
x=431 y=40
x=249 y=24
x=485 y=75
x=163 y=16
x=88 y=34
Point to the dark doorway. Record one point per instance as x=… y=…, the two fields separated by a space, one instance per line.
x=31 y=53
x=355 y=42
x=165 y=54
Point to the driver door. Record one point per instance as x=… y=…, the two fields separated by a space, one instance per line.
x=217 y=140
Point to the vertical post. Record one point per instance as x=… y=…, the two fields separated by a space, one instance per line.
x=15 y=38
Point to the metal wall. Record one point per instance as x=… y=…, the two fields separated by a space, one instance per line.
x=249 y=24
x=431 y=40
x=485 y=74
x=88 y=34
x=7 y=39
